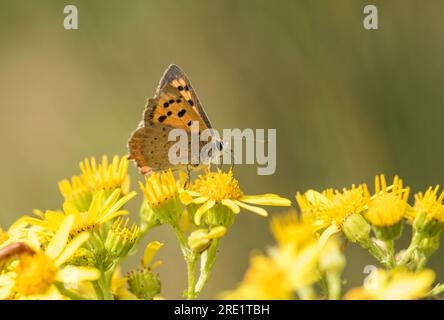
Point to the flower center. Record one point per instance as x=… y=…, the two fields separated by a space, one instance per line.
x=386 y=210
x=344 y=204
x=35 y=274
x=218 y=186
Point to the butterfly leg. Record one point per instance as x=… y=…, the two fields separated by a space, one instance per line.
x=188 y=182
x=232 y=161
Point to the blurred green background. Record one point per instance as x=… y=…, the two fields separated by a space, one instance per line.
x=347 y=103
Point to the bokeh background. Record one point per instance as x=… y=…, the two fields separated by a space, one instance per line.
x=347 y=103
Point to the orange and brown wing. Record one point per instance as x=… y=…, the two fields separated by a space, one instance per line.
x=172 y=108
x=149 y=146
x=177 y=78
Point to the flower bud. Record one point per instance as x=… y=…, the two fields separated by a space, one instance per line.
x=356 y=228
x=426 y=226
x=144 y=283
x=200 y=240
x=121 y=239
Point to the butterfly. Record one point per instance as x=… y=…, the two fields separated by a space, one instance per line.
x=175 y=105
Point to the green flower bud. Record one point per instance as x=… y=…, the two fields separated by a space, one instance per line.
x=121 y=239
x=200 y=240
x=356 y=229
x=144 y=283
x=426 y=226
x=218 y=215
x=430 y=245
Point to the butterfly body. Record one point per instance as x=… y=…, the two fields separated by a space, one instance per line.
x=174 y=106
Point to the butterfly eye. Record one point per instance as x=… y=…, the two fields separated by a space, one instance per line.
x=219 y=145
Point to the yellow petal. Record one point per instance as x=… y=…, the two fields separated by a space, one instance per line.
x=94 y=208
x=6 y=285
x=70 y=208
x=326 y=234
x=111 y=200
x=202 y=209
x=231 y=205
x=71 y=248
x=200 y=200
x=111 y=213
x=156 y=264
x=216 y=232
x=59 y=240
x=23 y=221
x=266 y=200
x=74 y=274
x=185 y=198
x=258 y=210
x=150 y=251
x=316 y=197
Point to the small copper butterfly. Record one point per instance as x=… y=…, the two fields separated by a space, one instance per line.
x=174 y=106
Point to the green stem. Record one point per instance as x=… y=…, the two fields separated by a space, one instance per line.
x=333 y=280
x=208 y=260
x=103 y=286
x=437 y=290
x=306 y=293
x=416 y=239
x=191 y=266
x=68 y=293
x=390 y=244
x=376 y=252
x=190 y=259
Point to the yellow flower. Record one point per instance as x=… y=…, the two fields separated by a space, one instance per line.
x=159 y=188
x=394 y=285
x=312 y=204
x=345 y=203
x=161 y=191
x=105 y=176
x=430 y=204
x=287 y=229
x=218 y=195
x=297 y=252
x=101 y=210
x=331 y=208
x=121 y=238
x=264 y=280
x=388 y=206
x=37 y=276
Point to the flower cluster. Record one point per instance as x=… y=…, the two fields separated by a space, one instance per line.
x=200 y=213
x=307 y=260
x=75 y=252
